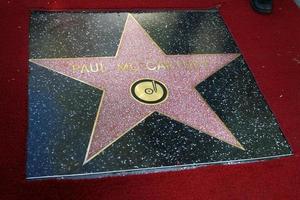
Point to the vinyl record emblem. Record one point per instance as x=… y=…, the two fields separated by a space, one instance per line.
x=149 y=91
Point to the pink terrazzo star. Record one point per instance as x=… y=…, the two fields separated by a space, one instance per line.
x=119 y=111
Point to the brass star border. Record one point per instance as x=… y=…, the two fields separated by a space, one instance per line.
x=43 y=63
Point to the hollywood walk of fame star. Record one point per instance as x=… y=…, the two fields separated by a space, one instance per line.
x=119 y=111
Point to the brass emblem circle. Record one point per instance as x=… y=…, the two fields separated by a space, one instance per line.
x=149 y=91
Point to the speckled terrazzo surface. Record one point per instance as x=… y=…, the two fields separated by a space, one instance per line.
x=63 y=111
